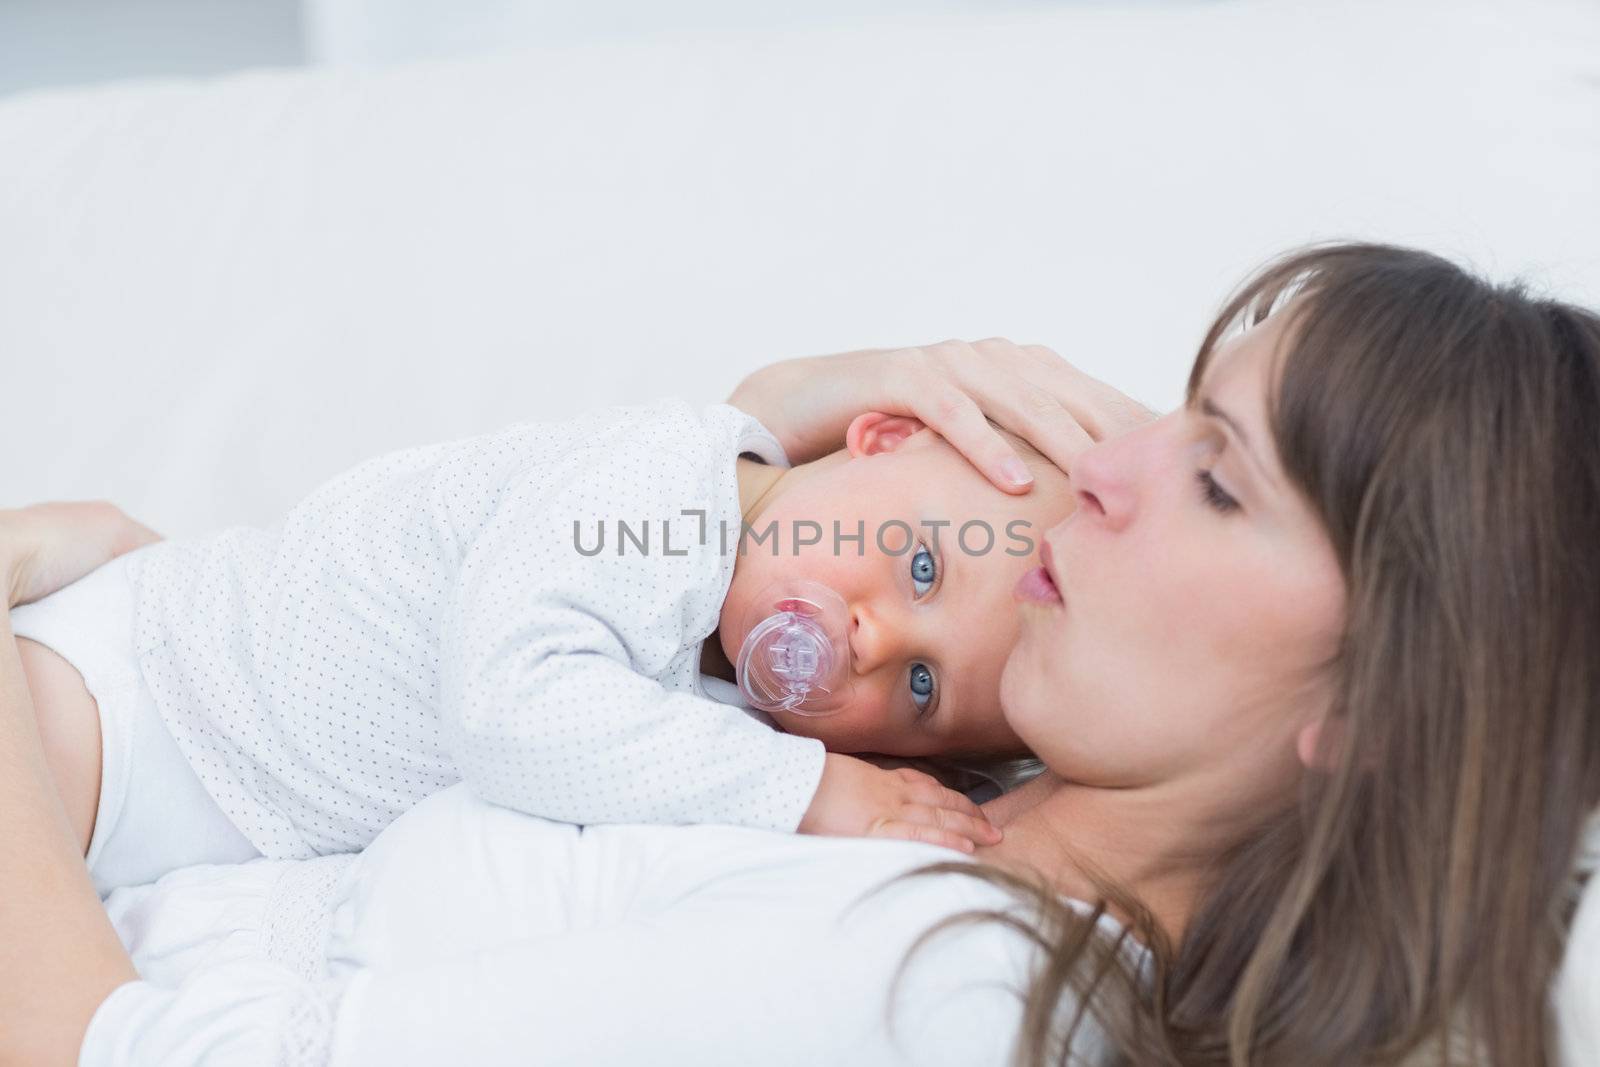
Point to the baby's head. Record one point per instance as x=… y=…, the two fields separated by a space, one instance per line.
x=927 y=588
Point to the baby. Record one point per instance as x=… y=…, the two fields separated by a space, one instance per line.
x=621 y=617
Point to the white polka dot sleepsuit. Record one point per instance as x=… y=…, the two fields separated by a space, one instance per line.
x=434 y=615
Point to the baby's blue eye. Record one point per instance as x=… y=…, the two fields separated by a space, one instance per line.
x=921 y=685
x=923 y=570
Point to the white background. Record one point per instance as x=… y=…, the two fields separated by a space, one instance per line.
x=216 y=293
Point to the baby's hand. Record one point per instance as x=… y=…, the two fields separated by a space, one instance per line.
x=856 y=799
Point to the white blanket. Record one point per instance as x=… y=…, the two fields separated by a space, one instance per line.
x=471 y=934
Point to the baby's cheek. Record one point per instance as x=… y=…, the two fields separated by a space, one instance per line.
x=863 y=725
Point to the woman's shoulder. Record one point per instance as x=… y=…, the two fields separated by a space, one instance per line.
x=876 y=894
x=461 y=832
x=456 y=870
x=905 y=945
x=458 y=823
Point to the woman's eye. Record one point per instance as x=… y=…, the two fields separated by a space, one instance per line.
x=923 y=570
x=921 y=686
x=1214 y=495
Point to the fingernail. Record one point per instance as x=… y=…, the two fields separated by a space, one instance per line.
x=1015 y=471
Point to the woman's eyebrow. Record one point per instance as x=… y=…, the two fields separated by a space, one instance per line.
x=1209 y=407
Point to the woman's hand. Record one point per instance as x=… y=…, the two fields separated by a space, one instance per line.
x=857 y=799
x=46 y=546
x=951 y=387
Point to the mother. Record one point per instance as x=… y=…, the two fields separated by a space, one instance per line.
x=1322 y=672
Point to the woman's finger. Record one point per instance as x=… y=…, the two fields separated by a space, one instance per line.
x=1014 y=394
x=1058 y=400
x=1100 y=410
x=961 y=383
x=939 y=395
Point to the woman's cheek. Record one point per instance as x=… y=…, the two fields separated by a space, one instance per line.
x=1030 y=697
x=1057 y=707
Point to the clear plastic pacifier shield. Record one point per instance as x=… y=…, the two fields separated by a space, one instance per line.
x=797 y=655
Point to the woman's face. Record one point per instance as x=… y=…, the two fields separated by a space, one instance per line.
x=1200 y=602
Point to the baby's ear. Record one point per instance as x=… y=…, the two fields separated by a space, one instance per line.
x=873 y=432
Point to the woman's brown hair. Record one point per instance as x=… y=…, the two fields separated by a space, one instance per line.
x=1414 y=903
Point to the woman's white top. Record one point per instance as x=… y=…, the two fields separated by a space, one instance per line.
x=438 y=614
x=472 y=935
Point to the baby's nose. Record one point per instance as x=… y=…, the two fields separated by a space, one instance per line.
x=874 y=639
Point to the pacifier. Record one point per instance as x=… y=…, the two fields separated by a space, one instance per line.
x=796 y=658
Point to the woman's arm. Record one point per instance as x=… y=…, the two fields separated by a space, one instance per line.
x=59 y=956
x=731 y=982
x=730 y=985
x=953 y=387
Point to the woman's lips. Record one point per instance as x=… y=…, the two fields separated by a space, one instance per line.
x=1047 y=557
x=1037 y=587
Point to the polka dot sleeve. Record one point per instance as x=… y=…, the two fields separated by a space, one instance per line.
x=559 y=625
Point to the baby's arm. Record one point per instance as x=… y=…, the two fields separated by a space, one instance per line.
x=547 y=698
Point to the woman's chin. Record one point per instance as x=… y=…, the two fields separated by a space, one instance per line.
x=1012 y=692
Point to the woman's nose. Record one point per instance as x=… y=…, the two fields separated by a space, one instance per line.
x=1104 y=476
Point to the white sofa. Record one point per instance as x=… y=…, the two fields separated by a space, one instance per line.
x=214 y=294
